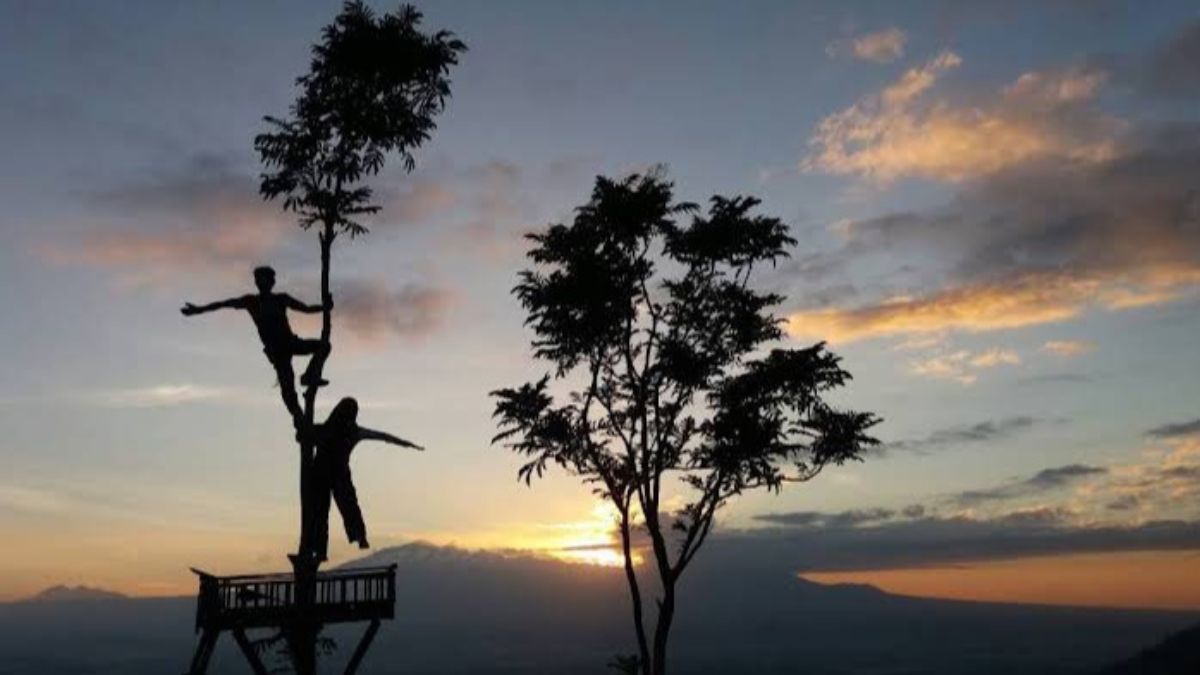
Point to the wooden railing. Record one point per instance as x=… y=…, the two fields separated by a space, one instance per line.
x=268 y=599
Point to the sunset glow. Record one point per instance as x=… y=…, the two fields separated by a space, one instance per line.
x=1149 y=579
x=998 y=236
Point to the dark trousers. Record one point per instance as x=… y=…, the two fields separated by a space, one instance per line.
x=335 y=483
x=280 y=357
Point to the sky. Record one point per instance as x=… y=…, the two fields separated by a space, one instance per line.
x=997 y=209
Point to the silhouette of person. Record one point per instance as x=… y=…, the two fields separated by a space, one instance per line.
x=280 y=344
x=334 y=441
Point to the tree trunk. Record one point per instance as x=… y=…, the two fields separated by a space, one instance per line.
x=635 y=595
x=307 y=451
x=662 y=629
x=302 y=636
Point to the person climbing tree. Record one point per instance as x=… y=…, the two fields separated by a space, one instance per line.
x=335 y=440
x=269 y=312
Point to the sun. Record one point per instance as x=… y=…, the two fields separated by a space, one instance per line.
x=591 y=542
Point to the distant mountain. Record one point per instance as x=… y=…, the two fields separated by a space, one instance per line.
x=496 y=613
x=1179 y=654
x=73 y=593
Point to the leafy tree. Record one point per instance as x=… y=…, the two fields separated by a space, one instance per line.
x=374 y=86
x=662 y=343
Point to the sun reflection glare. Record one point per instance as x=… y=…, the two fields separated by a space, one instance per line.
x=592 y=542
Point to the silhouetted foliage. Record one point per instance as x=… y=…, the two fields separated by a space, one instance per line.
x=374 y=86
x=662 y=341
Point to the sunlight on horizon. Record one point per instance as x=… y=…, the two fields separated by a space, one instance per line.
x=592 y=541
x=1164 y=580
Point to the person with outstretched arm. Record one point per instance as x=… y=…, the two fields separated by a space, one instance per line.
x=335 y=440
x=269 y=312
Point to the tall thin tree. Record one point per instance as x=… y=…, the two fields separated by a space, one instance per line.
x=374 y=86
x=662 y=356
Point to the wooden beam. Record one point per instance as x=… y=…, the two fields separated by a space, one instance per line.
x=204 y=650
x=363 y=645
x=256 y=664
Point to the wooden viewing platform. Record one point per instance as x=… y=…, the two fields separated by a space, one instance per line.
x=239 y=603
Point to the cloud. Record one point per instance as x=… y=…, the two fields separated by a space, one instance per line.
x=882 y=46
x=373 y=312
x=996 y=357
x=1123 y=503
x=981 y=432
x=962 y=365
x=1069 y=509
x=1025 y=301
x=1176 y=430
x=1056 y=378
x=1061 y=209
x=1068 y=348
x=168 y=395
x=852 y=518
x=1045 y=480
x=1171 y=70
x=902 y=131
x=416 y=202
x=203 y=215
x=936 y=541
x=1037 y=245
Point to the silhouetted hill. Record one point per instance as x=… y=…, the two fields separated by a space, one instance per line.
x=74 y=593
x=492 y=613
x=1179 y=654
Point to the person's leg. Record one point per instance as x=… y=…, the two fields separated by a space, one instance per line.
x=347 y=502
x=287 y=384
x=318 y=527
x=319 y=351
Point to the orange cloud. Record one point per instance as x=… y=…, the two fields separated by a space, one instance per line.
x=1027 y=300
x=901 y=132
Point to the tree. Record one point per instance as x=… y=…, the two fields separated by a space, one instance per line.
x=662 y=345
x=374 y=86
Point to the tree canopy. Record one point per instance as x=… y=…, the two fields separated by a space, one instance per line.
x=668 y=362
x=374 y=86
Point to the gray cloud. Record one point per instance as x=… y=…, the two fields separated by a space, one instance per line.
x=1045 y=480
x=374 y=312
x=981 y=432
x=1172 y=69
x=1176 y=429
x=852 y=518
x=204 y=214
x=942 y=541
x=1056 y=378
x=1123 y=503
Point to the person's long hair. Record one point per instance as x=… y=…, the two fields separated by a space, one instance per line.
x=343 y=418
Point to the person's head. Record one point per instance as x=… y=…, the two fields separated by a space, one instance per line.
x=264 y=278
x=344 y=415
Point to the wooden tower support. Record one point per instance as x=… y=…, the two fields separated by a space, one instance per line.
x=299 y=605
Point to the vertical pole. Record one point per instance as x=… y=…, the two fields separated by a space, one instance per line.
x=301 y=634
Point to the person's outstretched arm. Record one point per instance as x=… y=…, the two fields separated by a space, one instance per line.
x=372 y=435
x=189 y=309
x=298 y=306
